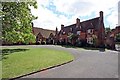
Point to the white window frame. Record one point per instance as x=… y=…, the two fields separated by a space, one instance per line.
x=90 y=40
x=90 y=31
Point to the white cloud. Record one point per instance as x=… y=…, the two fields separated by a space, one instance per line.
x=83 y=7
x=48 y=20
x=119 y=13
x=80 y=7
x=113 y=19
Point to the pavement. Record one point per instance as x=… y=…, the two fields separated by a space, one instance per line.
x=87 y=64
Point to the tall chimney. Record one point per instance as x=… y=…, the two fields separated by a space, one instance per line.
x=56 y=30
x=62 y=26
x=101 y=15
x=77 y=21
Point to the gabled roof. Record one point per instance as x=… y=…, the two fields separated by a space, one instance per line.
x=68 y=28
x=44 y=32
x=88 y=24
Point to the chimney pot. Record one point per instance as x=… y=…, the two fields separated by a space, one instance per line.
x=101 y=14
x=62 y=26
x=77 y=21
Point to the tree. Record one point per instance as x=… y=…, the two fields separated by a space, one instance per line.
x=118 y=37
x=107 y=29
x=16 y=22
x=72 y=36
x=94 y=40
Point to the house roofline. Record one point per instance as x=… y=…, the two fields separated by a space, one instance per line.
x=81 y=22
x=44 y=29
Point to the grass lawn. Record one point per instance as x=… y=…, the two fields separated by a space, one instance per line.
x=0 y=70
x=21 y=60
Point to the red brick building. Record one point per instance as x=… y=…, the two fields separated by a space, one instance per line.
x=43 y=36
x=111 y=36
x=90 y=32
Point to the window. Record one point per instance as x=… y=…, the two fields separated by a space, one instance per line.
x=78 y=32
x=69 y=33
x=80 y=27
x=64 y=32
x=90 y=40
x=90 y=31
x=112 y=35
x=77 y=26
x=60 y=38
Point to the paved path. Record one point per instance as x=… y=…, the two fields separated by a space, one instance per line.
x=87 y=64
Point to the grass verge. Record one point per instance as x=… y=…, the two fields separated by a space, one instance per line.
x=20 y=61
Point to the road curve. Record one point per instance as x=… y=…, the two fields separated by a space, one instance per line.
x=87 y=64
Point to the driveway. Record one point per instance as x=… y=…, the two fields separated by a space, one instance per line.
x=87 y=64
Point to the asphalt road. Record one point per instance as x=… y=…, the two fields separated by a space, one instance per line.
x=87 y=64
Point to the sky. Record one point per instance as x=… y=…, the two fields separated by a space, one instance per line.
x=53 y=13
x=119 y=13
